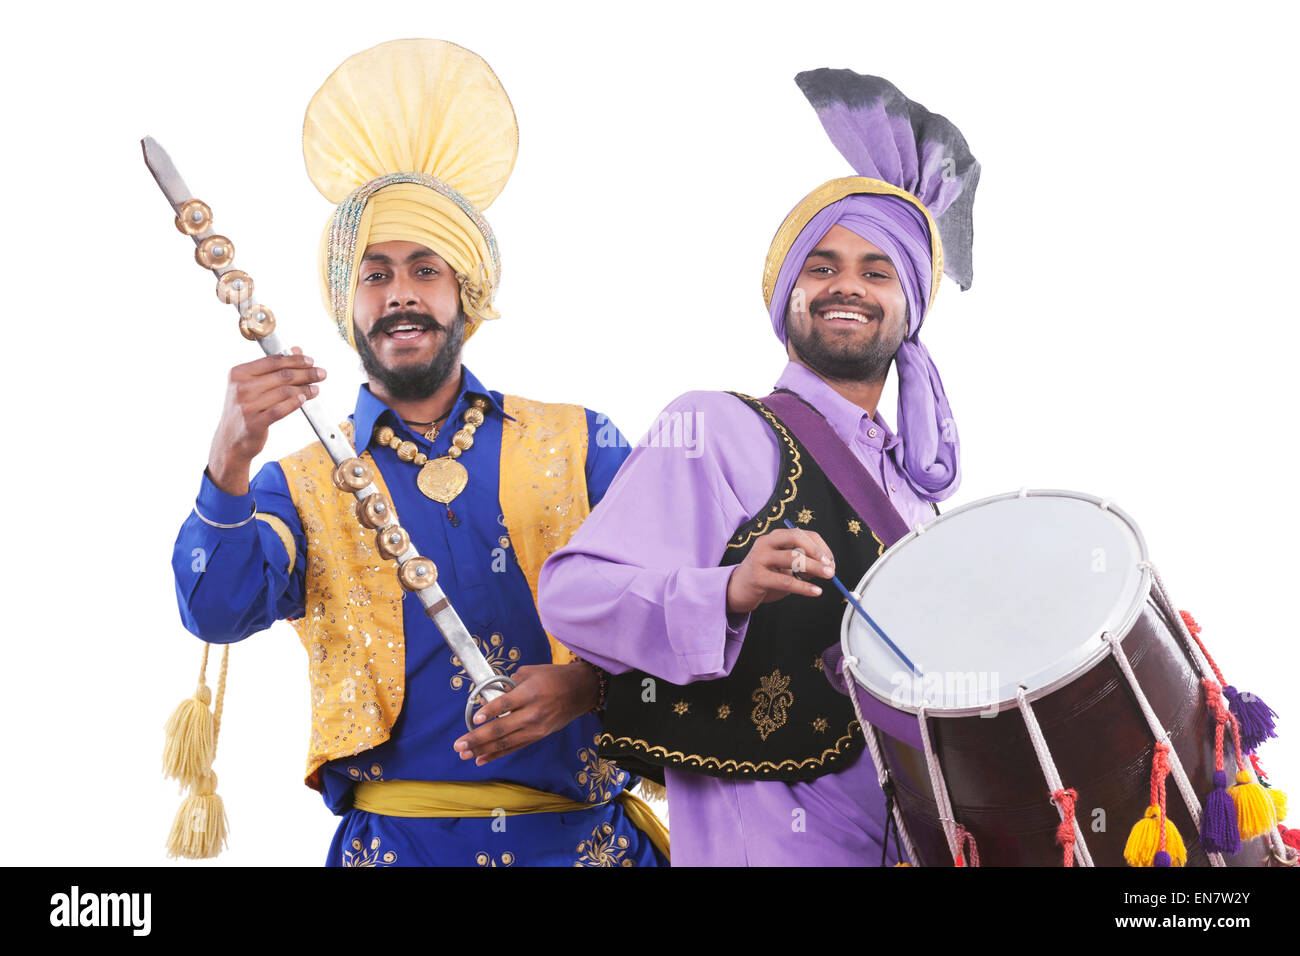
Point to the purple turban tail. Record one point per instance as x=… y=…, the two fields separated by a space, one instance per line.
x=931 y=453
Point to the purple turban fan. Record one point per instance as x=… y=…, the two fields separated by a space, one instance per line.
x=887 y=137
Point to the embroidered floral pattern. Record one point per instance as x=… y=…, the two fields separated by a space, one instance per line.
x=855 y=526
x=370 y=857
x=805 y=516
x=599 y=776
x=724 y=711
x=772 y=699
x=501 y=659
x=483 y=858
x=603 y=848
x=375 y=772
x=681 y=707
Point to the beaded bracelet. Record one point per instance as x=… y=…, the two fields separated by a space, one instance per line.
x=603 y=677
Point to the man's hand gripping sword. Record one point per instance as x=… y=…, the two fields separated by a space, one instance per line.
x=351 y=473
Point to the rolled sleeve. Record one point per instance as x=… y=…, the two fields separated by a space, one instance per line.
x=640 y=586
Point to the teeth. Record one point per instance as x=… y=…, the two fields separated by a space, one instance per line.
x=856 y=317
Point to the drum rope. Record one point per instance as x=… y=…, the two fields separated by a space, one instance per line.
x=938 y=784
x=1162 y=736
x=873 y=747
x=1050 y=774
x=1192 y=647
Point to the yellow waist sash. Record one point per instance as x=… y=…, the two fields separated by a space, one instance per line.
x=441 y=798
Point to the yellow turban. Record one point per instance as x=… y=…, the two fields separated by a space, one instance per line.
x=412 y=139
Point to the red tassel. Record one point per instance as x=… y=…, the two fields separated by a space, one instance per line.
x=1290 y=836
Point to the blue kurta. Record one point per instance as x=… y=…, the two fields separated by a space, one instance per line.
x=243 y=588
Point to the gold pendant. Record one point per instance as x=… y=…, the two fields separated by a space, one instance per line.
x=442 y=479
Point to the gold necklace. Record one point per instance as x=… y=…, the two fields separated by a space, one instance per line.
x=440 y=479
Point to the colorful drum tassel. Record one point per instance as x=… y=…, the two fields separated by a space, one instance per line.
x=1255 y=813
x=1154 y=840
x=1277 y=796
x=1256 y=720
x=1219 y=830
x=1289 y=836
x=1279 y=803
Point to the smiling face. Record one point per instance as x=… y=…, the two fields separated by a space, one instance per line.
x=847 y=314
x=407 y=319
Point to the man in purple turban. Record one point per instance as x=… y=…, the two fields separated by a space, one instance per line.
x=713 y=625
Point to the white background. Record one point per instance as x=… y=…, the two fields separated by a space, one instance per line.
x=1130 y=331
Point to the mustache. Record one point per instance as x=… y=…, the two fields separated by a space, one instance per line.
x=389 y=322
x=825 y=303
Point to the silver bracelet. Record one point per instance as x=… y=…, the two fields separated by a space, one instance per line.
x=218 y=524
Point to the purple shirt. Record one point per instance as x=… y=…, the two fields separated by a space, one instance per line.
x=639 y=586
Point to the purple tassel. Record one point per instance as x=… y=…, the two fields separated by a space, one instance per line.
x=1161 y=859
x=1219 y=833
x=1254 y=717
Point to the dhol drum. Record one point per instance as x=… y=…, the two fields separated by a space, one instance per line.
x=1047 y=657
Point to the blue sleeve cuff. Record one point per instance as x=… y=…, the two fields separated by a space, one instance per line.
x=216 y=505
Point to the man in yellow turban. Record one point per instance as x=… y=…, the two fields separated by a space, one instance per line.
x=412 y=140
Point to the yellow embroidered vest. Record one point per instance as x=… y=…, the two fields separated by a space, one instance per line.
x=352 y=629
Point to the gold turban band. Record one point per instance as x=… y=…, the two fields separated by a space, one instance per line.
x=412 y=139
x=831 y=192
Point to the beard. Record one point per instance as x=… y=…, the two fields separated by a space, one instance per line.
x=408 y=383
x=843 y=360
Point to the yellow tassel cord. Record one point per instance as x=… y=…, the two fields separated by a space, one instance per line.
x=1255 y=813
x=190 y=743
x=200 y=828
x=1279 y=802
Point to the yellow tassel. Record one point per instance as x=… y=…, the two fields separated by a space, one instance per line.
x=649 y=790
x=190 y=742
x=1279 y=802
x=1174 y=845
x=1255 y=815
x=199 y=830
x=1144 y=839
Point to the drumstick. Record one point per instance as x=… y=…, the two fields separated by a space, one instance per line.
x=848 y=596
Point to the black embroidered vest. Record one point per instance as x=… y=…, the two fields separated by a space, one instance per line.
x=775 y=716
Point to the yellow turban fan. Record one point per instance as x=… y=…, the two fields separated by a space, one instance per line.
x=412 y=139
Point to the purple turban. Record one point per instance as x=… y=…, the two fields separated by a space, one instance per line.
x=891 y=140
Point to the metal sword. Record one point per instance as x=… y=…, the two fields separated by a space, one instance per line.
x=416 y=574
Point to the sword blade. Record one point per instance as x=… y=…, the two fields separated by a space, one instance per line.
x=164 y=173
x=339 y=447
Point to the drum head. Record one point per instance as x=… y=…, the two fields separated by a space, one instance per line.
x=1008 y=591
